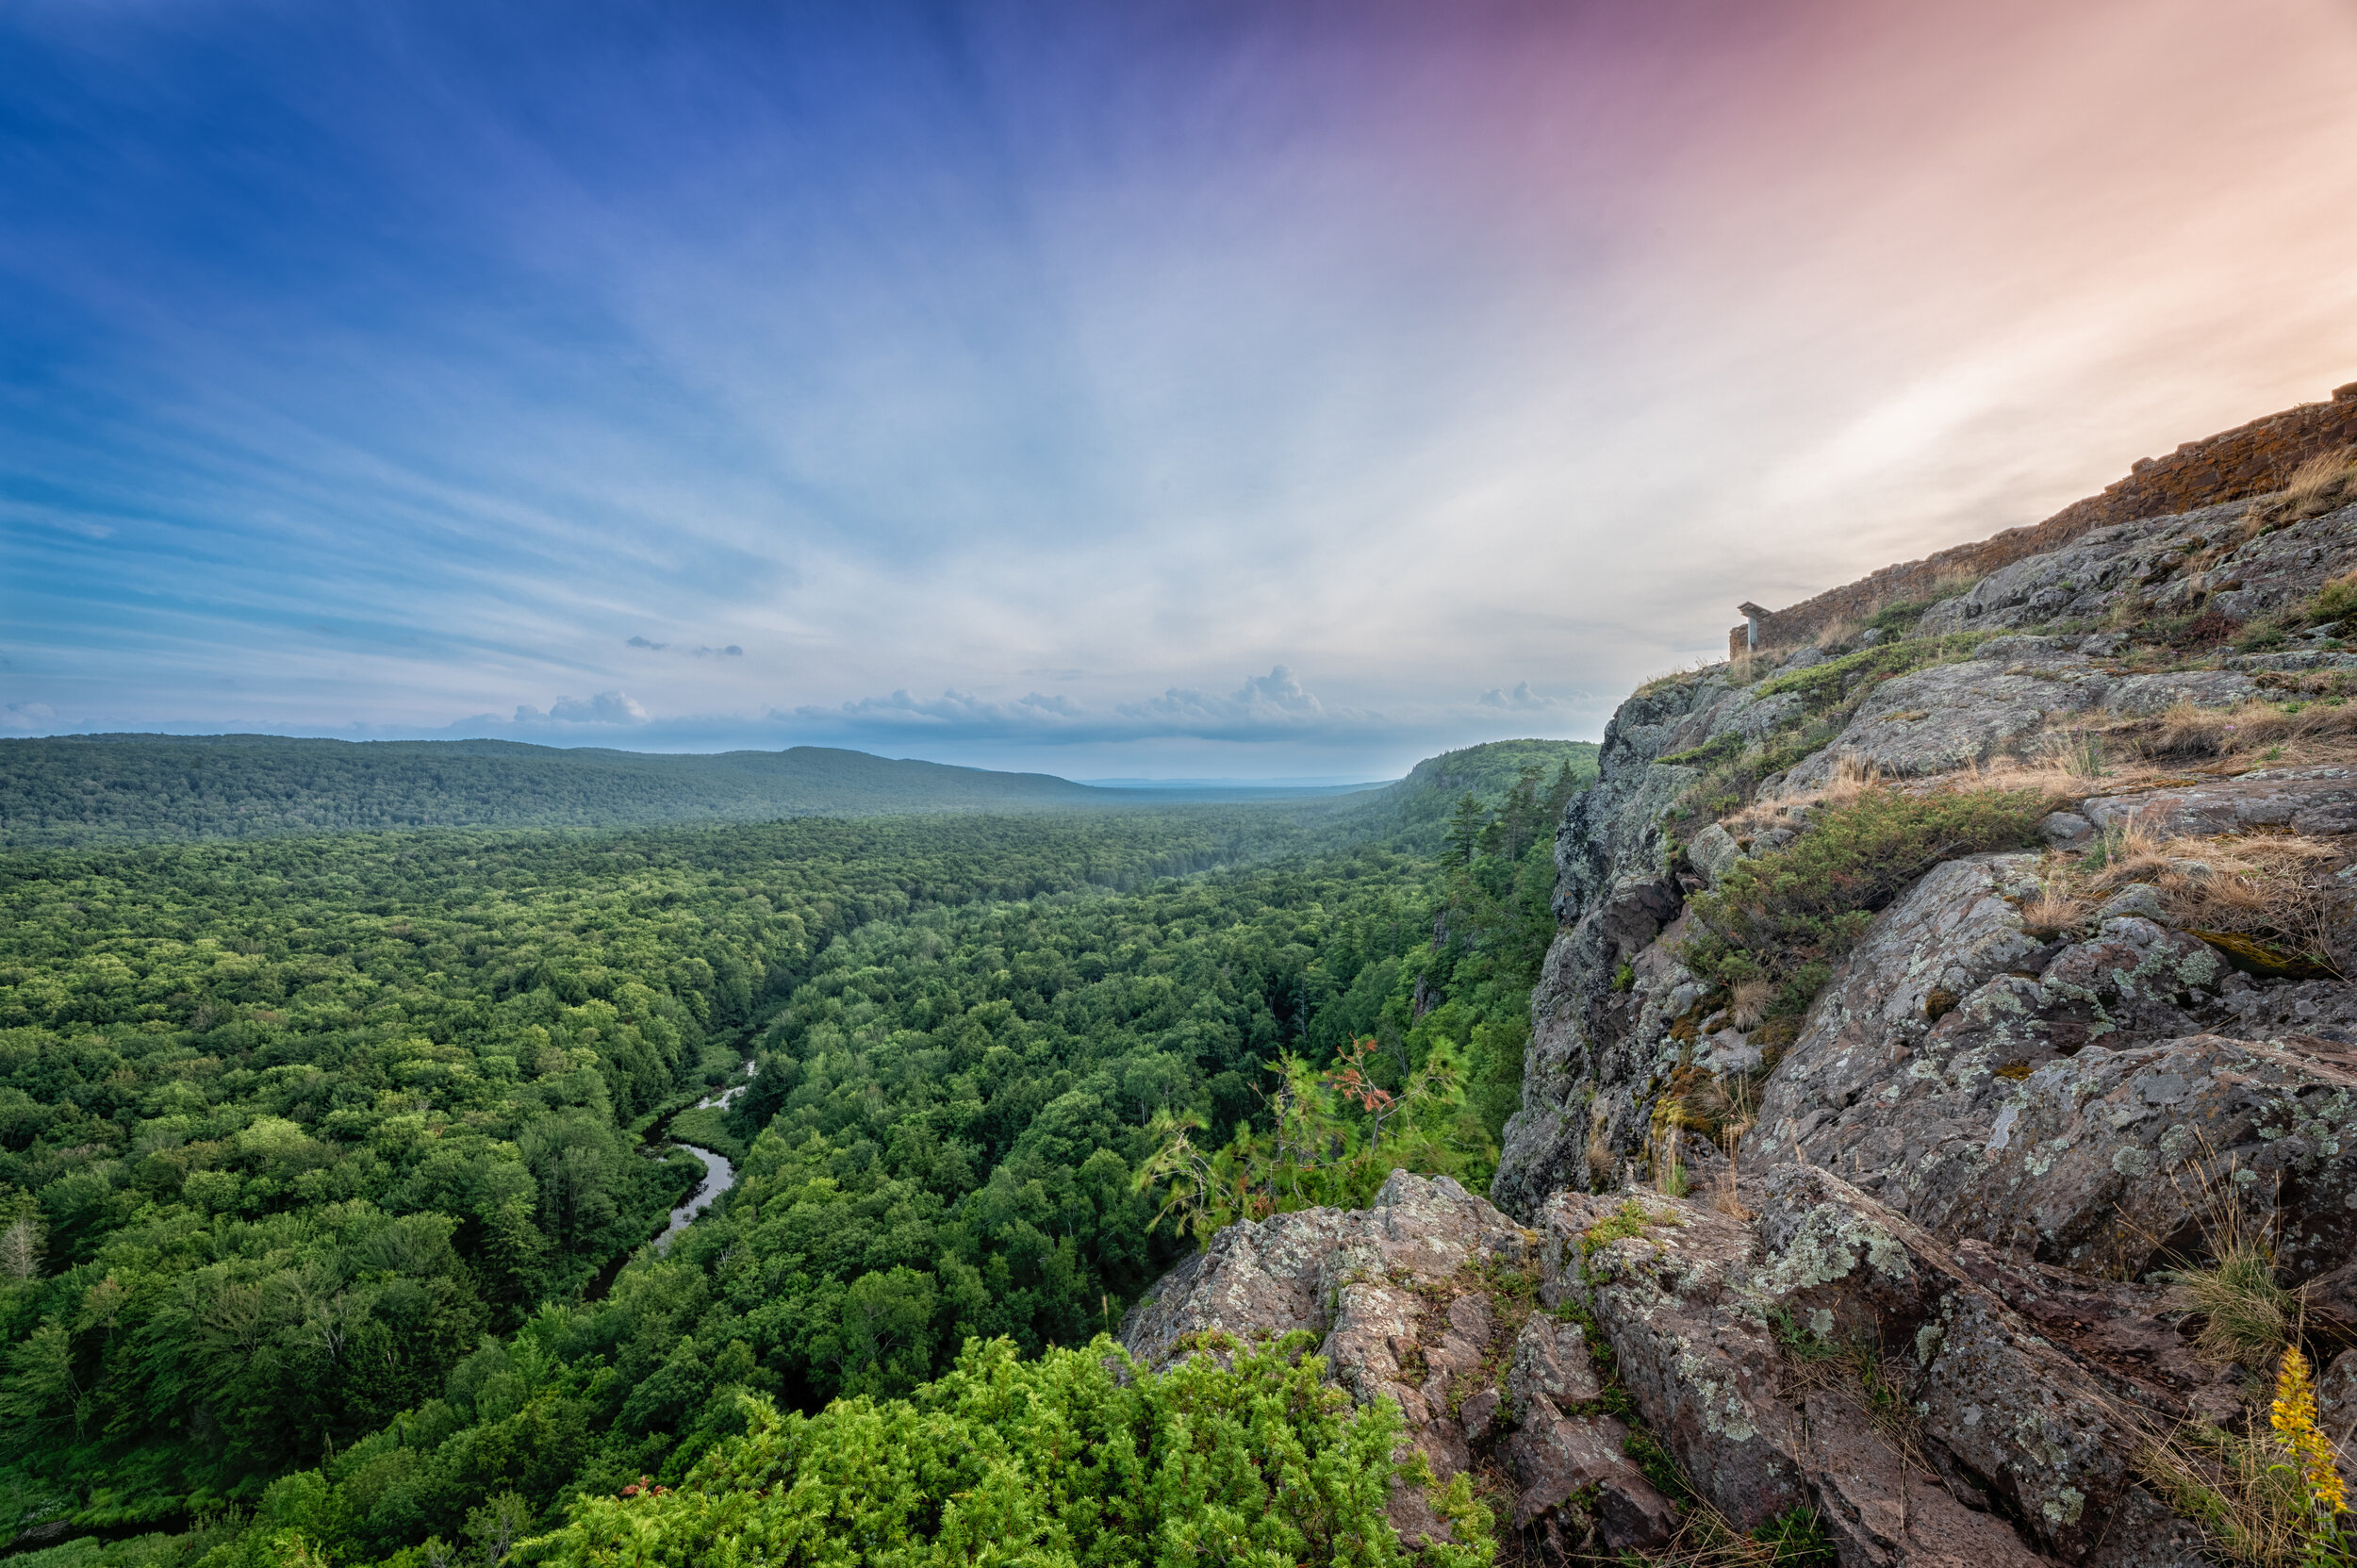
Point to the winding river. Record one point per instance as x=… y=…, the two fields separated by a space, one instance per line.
x=719 y=1175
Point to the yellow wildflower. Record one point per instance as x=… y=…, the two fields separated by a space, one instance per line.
x=2295 y=1420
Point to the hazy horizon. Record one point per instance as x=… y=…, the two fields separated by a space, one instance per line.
x=1177 y=391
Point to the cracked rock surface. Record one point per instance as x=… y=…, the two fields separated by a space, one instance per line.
x=1934 y=1311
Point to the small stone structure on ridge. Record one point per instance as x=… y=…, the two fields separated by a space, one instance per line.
x=2252 y=459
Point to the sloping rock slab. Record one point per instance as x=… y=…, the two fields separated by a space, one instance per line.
x=1694 y=1301
x=1898 y=1069
x=2139 y=695
x=2317 y=801
x=2115 y=1329
x=1954 y=716
x=1881 y=1515
x=2115 y=1159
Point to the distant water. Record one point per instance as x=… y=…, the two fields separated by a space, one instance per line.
x=719 y=1175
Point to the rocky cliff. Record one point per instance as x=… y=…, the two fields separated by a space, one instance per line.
x=1932 y=1012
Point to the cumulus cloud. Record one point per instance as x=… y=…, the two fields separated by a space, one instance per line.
x=1276 y=696
x=642 y=642
x=1277 y=689
x=606 y=708
x=26 y=715
x=1521 y=699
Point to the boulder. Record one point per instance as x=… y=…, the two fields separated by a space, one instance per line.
x=1714 y=853
x=2065 y=829
x=2139 y=899
x=1403 y=1295
x=1927 y=1030
x=2135 y=696
x=1555 y=1456
x=1703 y=1371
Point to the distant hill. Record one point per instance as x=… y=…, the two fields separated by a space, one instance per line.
x=84 y=789
x=1414 y=811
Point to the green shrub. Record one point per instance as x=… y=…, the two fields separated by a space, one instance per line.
x=1717 y=749
x=1824 y=685
x=1788 y=914
x=2260 y=635
x=2335 y=600
x=1082 y=1456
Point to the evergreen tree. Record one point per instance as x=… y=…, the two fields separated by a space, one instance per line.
x=1567 y=784
x=1464 y=829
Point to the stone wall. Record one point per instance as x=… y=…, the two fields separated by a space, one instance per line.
x=2255 y=459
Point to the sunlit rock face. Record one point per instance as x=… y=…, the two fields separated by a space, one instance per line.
x=1964 y=1173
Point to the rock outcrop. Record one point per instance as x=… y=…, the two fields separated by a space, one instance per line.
x=1425 y=1298
x=1926 y=1304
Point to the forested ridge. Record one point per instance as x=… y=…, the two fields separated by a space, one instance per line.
x=127 y=788
x=315 y=1150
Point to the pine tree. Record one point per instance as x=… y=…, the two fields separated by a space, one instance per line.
x=1523 y=812
x=1464 y=829
x=1567 y=784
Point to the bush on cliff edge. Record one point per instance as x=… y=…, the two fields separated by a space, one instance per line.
x=1082 y=1456
x=1786 y=916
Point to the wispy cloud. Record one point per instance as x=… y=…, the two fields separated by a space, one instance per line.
x=702 y=650
x=1060 y=363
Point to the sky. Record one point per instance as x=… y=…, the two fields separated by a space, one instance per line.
x=1155 y=390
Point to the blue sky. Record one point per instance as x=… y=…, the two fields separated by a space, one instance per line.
x=1159 y=390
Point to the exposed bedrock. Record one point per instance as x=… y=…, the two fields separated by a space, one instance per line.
x=1935 y=1309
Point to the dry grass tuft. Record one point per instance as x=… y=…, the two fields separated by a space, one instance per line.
x=2132 y=851
x=1600 y=1158
x=1707 y=1539
x=1747 y=1004
x=1836 y=635
x=2321 y=484
x=2186 y=731
x=2245 y=1492
x=2247 y=1317
x=2268 y=886
x=2055 y=912
x=1726 y=1191
x=2271 y=887
x=1853 y=776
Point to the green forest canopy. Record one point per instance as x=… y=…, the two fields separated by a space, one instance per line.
x=319 y=1153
